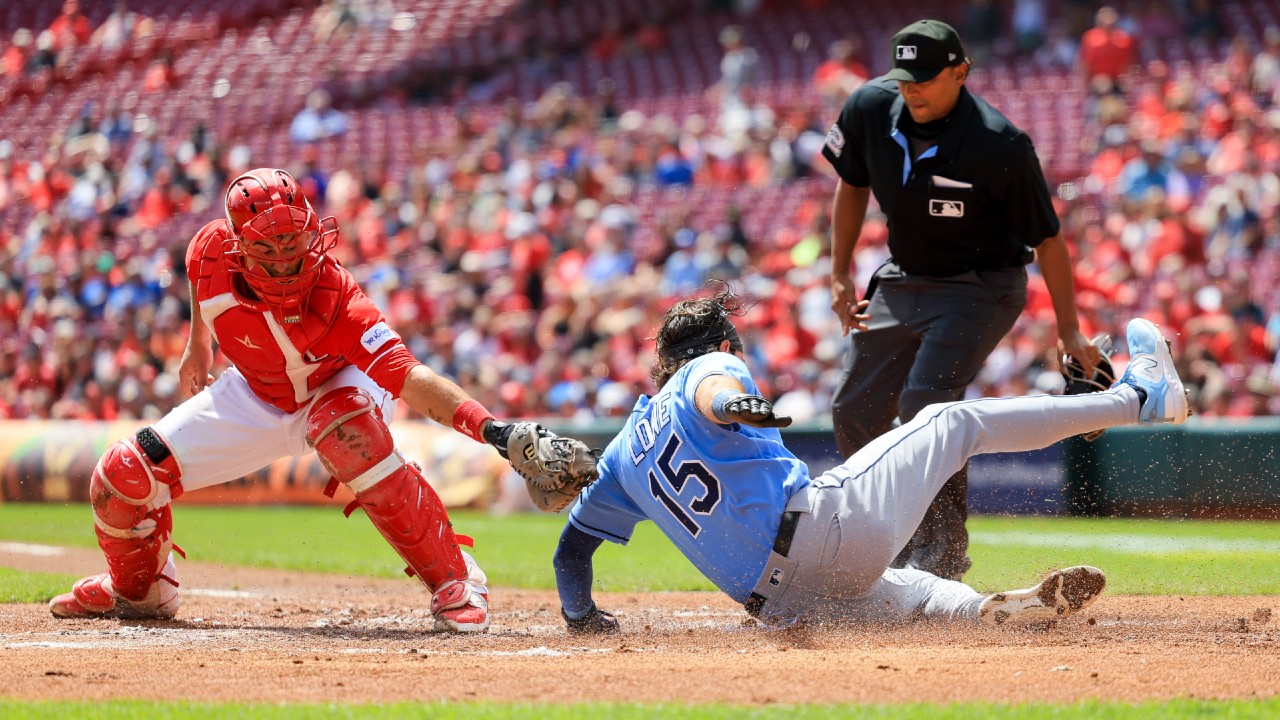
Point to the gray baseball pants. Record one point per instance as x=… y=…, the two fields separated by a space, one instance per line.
x=925 y=343
x=859 y=515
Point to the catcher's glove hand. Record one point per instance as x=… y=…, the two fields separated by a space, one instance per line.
x=747 y=409
x=1104 y=375
x=555 y=468
x=595 y=622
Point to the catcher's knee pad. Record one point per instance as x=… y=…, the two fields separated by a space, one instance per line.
x=126 y=480
x=354 y=444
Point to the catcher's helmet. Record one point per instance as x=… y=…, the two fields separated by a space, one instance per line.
x=276 y=228
x=1104 y=375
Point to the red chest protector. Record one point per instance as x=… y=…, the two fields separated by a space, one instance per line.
x=284 y=363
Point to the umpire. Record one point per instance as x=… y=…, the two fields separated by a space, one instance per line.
x=967 y=208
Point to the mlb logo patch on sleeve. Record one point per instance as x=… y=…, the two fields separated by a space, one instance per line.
x=377 y=336
x=835 y=140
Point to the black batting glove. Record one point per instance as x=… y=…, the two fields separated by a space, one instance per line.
x=747 y=409
x=595 y=622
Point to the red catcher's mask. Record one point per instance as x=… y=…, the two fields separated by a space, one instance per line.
x=262 y=205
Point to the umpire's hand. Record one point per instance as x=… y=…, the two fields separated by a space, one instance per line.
x=1075 y=344
x=846 y=305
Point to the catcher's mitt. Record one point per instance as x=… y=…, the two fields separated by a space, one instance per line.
x=1104 y=375
x=555 y=468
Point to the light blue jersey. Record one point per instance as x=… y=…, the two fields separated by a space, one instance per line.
x=717 y=491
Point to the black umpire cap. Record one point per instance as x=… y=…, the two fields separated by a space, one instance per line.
x=922 y=49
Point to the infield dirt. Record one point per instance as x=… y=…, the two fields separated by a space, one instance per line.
x=266 y=636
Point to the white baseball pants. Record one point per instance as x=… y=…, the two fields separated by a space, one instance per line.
x=225 y=432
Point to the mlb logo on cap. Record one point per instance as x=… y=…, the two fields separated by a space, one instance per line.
x=922 y=49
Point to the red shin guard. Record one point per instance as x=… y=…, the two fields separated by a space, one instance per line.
x=409 y=514
x=354 y=444
x=135 y=563
x=135 y=538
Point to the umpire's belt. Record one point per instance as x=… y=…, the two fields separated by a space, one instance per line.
x=778 y=571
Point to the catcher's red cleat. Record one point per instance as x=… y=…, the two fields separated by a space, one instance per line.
x=94 y=597
x=462 y=606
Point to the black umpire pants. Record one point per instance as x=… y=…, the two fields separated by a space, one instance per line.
x=925 y=343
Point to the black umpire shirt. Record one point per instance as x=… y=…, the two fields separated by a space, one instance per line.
x=977 y=200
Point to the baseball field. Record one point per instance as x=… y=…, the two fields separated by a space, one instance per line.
x=298 y=612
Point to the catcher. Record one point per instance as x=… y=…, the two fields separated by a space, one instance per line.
x=314 y=366
x=703 y=459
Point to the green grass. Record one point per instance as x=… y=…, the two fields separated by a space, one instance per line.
x=1148 y=557
x=515 y=551
x=130 y=710
x=25 y=587
x=1140 y=556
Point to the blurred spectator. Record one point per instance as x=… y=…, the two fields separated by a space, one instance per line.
x=160 y=74
x=1029 y=22
x=70 y=29
x=671 y=168
x=1203 y=23
x=1256 y=399
x=116 y=125
x=14 y=60
x=317 y=120
x=1060 y=49
x=121 y=28
x=1106 y=49
x=1150 y=170
x=556 y=230
x=45 y=57
x=608 y=43
x=981 y=26
x=1077 y=15
x=1158 y=23
x=333 y=19
x=651 y=37
x=1264 y=72
x=748 y=116
x=738 y=67
x=842 y=72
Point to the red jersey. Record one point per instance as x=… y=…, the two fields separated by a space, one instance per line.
x=285 y=364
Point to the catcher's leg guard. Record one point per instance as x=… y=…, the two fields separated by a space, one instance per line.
x=136 y=537
x=355 y=445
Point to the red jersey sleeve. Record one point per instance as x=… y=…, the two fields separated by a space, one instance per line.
x=371 y=345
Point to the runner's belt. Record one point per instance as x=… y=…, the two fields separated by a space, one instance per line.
x=781 y=546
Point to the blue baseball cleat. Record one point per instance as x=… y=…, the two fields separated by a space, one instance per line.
x=1151 y=369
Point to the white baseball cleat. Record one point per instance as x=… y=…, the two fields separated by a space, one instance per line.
x=94 y=597
x=1063 y=593
x=1151 y=368
x=462 y=606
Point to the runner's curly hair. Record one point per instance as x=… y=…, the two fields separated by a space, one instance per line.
x=695 y=327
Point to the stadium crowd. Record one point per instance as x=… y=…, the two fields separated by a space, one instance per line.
x=526 y=258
